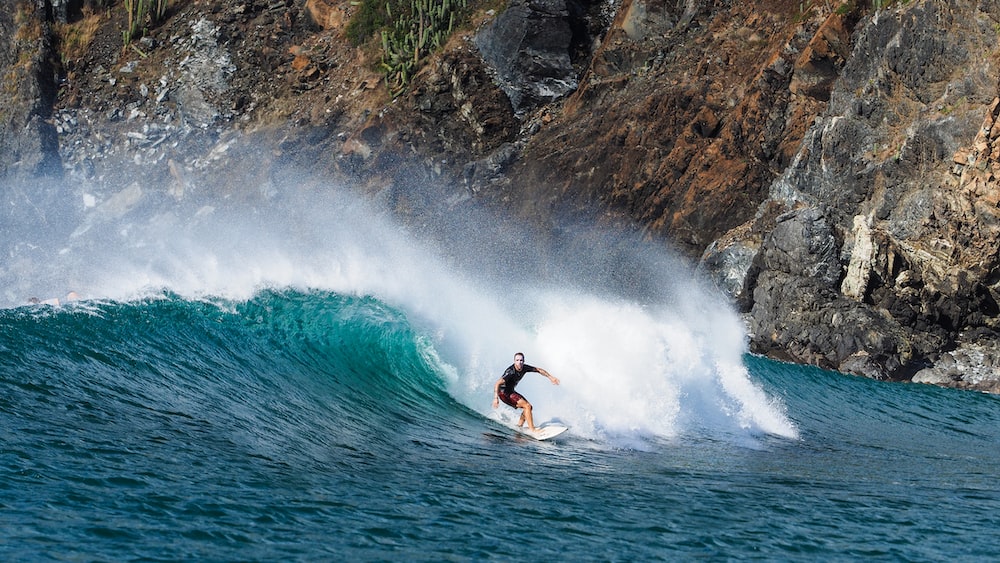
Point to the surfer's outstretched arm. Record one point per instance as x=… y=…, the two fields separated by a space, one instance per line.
x=552 y=378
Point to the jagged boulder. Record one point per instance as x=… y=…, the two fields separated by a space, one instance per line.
x=797 y=311
x=528 y=47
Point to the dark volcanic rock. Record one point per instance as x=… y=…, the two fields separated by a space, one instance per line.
x=528 y=46
x=798 y=312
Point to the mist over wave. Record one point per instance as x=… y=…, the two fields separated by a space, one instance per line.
x=642 y=349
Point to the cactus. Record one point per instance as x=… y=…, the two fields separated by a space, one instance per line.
x=138 y=12
x=419 y=27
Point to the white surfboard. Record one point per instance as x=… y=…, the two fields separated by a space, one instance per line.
x=544 y=431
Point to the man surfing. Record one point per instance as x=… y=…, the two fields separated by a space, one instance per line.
x=504 y=389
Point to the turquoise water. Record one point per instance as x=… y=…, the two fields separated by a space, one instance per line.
x=308 y=381
x=315 y=425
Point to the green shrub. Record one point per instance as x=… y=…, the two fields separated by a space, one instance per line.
x=370 y=17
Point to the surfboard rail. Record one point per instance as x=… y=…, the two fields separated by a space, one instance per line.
x=544 y=431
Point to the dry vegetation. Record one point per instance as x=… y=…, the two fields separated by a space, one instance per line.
x=74 y=38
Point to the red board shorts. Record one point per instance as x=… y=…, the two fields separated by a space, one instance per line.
x=511 y=398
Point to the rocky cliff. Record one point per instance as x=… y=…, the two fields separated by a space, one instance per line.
x=832 y=166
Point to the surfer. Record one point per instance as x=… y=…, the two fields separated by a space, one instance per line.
x=504 y=389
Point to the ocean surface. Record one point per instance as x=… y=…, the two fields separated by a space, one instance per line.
x=318 y=390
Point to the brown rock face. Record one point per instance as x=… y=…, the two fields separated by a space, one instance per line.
x=687 y=116
x=898 y=167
